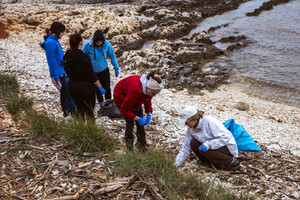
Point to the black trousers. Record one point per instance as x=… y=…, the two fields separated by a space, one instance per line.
x=83 y=94
x=140 y=133
x=221 y=158
x=104 y=78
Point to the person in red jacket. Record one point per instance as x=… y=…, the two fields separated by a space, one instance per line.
x=129 y=95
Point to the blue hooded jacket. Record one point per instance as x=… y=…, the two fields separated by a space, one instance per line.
x=99 y=55
x=54 y=55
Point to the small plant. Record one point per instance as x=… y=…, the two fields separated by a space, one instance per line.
x=18 y=103
x=8 y=85
x=76 y=134
x=9 y=92
x=83 y=136
x=172 y=184
x=41 y=125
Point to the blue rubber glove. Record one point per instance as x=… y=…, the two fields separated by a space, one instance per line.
x=203 y=148
x=117 y=73
x=142 y=121
x=102 y=90
x=148 y=118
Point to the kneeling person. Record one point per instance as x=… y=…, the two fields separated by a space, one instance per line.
x=208 y=139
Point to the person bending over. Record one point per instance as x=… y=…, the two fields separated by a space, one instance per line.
x=129 y=95
x=208 y=139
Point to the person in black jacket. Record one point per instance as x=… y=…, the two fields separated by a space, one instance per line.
x=82 y=78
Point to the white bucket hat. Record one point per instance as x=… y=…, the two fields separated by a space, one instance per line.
x=186 y=113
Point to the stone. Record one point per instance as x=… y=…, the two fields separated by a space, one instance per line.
x=243 y=106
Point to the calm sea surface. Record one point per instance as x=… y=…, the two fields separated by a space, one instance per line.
x=271 y=62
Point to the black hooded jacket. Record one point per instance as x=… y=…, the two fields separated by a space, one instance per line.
x=78 y=66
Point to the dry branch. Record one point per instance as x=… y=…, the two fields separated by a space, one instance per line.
x=108 y=189
x=154 y=190
x=130 y=181
x=13 y=139
x=68 y=197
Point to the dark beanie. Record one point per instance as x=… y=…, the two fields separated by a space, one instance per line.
x=98 y=36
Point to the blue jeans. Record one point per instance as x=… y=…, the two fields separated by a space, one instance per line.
x=66 y=101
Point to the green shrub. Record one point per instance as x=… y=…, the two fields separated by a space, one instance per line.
x=172 y=184
x=86 y=137
x=9 y=92
x=76 y=134
x=17 y=103
x=41 y=125
x=8 y=85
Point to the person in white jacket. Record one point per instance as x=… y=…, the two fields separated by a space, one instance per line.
x=208 y=139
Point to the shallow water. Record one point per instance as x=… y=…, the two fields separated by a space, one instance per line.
x=272 y=59
x=148 y=45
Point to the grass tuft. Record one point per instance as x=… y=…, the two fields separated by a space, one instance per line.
x=9 y=92
x=18 y=103
x=172 y=184
x=86 y=137
x=41 y=125
x=76 y=134
x=8 y=85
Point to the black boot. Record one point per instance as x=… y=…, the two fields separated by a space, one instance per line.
x=129 y=144
x=141 y=147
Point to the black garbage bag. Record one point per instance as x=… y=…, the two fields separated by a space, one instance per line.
x=109 y=108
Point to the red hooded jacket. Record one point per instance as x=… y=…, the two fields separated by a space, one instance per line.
x=129 y=96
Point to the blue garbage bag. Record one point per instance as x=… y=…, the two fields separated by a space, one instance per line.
x=243 y=140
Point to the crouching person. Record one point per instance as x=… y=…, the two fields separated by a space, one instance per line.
x=129 y=95
x=208 y=139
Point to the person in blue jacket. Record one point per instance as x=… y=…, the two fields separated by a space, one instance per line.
x=98 y=48
x=54 y=55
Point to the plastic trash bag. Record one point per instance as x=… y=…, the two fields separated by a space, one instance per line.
x=243 y=140
x=109 y=108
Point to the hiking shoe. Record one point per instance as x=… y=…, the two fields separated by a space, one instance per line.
x=234 y=166
x=66 y=114
x=142 y=148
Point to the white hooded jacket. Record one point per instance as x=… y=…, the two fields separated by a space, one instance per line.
x=210 y=132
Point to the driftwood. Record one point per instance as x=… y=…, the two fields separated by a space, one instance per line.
x=258 y=170
x=153 y=190
x=13 y=139
x=124 y=187
x=68 y=197
x=108 y=189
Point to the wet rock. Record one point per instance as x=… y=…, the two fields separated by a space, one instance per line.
x=266 y=6
x=212 y=29
x=232 y=39
x=243 y=106
x=236 y=46
x=201 y=38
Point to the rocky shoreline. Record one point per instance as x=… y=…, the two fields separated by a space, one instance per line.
x=172 y=55
x=186 y=64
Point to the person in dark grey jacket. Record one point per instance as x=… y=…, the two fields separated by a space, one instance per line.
x=82 y=77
